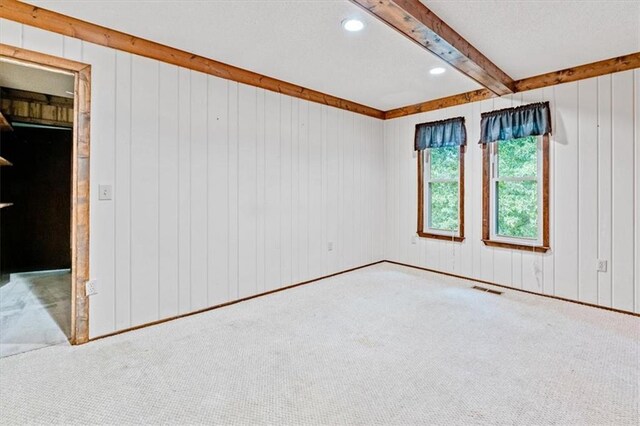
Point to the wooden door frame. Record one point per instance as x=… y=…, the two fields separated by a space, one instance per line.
x=80 y=197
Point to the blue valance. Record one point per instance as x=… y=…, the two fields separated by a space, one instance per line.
x=437 y=134
x=518 y=122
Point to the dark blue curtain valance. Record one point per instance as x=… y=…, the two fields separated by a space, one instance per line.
x=437 y=134
x=518 y=122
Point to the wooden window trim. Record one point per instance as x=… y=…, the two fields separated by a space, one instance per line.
x=486 y=203
x=458 y=238
x=80 y=196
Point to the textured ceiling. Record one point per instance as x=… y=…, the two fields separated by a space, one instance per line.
x=531 y=37
x=302 y=41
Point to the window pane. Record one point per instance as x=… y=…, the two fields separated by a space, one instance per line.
x=444 y=206
x=518 y=157
x=444 y=162
x=518 y=209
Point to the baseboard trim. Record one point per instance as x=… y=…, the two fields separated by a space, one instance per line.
x=233 y=302
x=592 y=305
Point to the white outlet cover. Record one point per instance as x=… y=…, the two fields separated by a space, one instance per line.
x=602 y=265
x=330 y=246
x=91 y=288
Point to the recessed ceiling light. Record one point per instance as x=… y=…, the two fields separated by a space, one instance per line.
x=437 y=70
x=352 y=25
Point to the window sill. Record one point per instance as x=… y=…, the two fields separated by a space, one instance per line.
x=524 y=247
x=440 y=237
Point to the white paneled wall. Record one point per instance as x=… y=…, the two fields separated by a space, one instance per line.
x=221 y=190
x=595 y=191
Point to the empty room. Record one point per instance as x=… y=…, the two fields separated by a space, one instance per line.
x=323 y=212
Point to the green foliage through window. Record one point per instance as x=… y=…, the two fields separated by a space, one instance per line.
x=443 y=191
x=518 y=157
x=516 y=188
x=518 y=208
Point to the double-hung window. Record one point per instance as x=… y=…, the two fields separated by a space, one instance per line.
x=516 y=191
x=442 y=193
x=441 y=148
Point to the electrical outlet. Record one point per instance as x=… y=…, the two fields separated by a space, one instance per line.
x=330 y=246
x=91 y=287
x=104 y=192
x=602 y=265
x=414 y=239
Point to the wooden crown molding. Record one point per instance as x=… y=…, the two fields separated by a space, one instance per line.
x=55 y=22
x=72 y=27
x=594 y=69
x=415 y=21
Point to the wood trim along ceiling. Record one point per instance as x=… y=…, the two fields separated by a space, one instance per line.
x=415 y=21
x=24 y=13
x=581 y=72
x=80 y=180
x=52 y=21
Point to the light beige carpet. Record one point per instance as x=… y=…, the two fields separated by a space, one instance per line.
x=382 y=345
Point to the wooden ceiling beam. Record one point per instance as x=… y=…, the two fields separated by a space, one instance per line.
x=66 y=25
x=568 y=75
x=416 y=22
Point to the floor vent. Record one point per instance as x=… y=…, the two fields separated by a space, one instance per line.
x=487 y=290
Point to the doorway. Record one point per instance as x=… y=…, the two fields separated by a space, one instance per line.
x=44 y=200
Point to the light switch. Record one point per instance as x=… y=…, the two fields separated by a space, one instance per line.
x=104 y=192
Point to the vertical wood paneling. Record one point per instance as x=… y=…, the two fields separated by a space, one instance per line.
x=247 y=218
x=218 y=191
x=168 y=202
x=273 y=191
x=636 y=165
x=605 y=204
x=565 y=140
x=198 y=187
x=184 y=190
x=144 y=191
x=234 y=162
x=286 y=189
x=11 y=33
x=303 y=221
x=45 y=41
x=623 y=192
x=260 y=190
x=594 y=196
x=315 y=216
x=588 y=190
x=103 y=76
x=122 y=192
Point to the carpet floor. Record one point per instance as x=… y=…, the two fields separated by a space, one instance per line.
x=381 y=345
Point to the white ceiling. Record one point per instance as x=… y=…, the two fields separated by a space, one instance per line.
x=531 y=37
x=37 y=80
x=302 y=41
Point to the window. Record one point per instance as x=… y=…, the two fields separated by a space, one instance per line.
x=516 y=194
x=441 y=193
